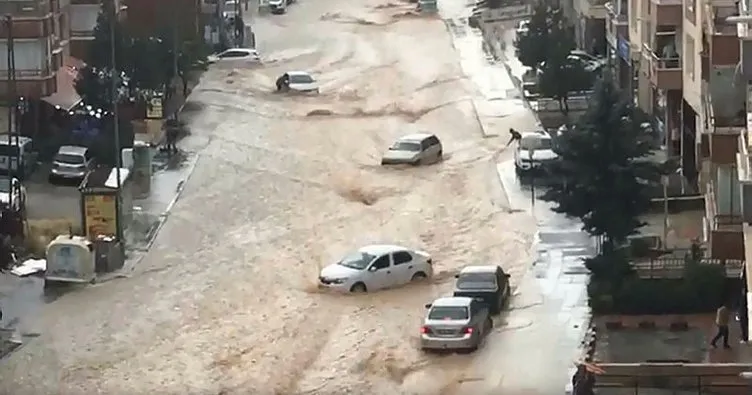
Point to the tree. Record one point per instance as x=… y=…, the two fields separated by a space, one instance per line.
x=93 y=82
x=532 y=45
x=604 y=176
x=153 y=67
x=560 y=74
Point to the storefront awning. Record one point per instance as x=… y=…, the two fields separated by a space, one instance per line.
x=66 y=97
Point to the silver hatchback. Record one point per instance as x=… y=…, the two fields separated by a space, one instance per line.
x=455 y=323
x=72 y=162
x=414 y=149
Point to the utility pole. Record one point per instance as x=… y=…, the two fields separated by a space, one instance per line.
x=114 y=77
x=12 y=108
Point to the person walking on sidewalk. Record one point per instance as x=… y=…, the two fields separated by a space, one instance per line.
x=722 y=316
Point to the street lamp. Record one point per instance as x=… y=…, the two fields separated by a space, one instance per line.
x=114 y=77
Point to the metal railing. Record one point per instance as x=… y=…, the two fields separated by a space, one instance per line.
x=727 y=222
x=673 y=268
x=743 y=165
x=661 y=63
x=27 y=74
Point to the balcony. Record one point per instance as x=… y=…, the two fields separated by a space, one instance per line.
x=666 y=12
x=25 y=9
x=665 y=72
x=744 y=174
x=595 y=9
x=725 y=231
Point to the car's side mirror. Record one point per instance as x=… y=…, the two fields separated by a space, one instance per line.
x=372 y=269
x=507 y=275
x=456 y=276
x=428 y=305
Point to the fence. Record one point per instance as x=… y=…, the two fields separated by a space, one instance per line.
x=673 y=267
x=690 y=378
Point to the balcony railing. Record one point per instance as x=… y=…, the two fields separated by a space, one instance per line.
x=721 y=222
x=21 y=9
x=27 y=74
x=82 y=33
x=665 y=72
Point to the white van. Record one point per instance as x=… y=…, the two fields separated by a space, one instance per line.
x=14 y=150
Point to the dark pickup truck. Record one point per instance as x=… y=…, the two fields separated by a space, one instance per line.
x=489 y=283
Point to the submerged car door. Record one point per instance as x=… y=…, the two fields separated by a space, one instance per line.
x=380 y=273
x=403 y=266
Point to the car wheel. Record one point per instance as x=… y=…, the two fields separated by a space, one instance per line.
x=358 y=288
x=418 y=276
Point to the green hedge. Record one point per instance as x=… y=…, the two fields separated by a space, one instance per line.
x=702 y=289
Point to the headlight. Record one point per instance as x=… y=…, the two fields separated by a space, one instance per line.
x=337 y=280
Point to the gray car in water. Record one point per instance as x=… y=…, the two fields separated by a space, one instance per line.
x=455 y=323
x=414 y=149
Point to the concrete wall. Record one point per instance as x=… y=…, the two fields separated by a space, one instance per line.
x=692 y=63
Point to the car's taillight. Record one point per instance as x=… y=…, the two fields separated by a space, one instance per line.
x=424 y=330
x=468 y=330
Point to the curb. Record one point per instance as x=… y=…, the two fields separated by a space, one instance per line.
x=678 y=325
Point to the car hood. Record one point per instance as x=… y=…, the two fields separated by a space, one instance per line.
x=545 y=154
x=303 y=86
x=400 y=155
x=338 y=271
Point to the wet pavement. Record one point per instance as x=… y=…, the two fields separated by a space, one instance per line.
x=226 y=298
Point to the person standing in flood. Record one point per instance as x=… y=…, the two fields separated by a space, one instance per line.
x=722 y=323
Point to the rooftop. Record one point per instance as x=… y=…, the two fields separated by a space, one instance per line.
x=452 y=301
x=380 y=249
x=478 y=269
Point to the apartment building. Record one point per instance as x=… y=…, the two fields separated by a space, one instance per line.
x=618 y=47
x=40 y=32
x=590 y=24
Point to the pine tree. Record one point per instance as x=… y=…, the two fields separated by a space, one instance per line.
x=93 y=81
x=604 y=175
x=532 y=46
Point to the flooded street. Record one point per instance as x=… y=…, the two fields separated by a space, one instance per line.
x=226 y=301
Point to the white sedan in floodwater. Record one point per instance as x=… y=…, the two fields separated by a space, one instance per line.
x=376 y=267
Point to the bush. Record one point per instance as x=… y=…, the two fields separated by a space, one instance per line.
x=701 y=290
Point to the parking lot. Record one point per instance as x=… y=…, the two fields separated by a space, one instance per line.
x=50 y=201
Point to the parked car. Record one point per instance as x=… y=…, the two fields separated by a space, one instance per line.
x=376 y=267
x=71 y=163
x=455 y=323
x=488 y=283
x=236 y=55
x=17 y=155
x=297 y=81
x=522 y=28
x=278 y=6
x=231 y=9
x=414 y=149
x=533 y=150
x=13 y=193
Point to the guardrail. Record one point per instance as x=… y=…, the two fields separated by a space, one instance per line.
x=673 y=268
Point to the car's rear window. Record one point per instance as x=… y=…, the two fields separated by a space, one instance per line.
x=301 y=79
x=448 y=313
x=535 y=143
x=406 y=146
x=476 y=281
x=69 y=159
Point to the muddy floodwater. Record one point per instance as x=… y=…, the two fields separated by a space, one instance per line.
x=226 y=301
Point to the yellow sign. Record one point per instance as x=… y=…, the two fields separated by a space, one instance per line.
x=100 y=214
x=154 y=109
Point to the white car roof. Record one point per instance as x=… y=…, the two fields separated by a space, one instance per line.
x=478 y=269
x=381 y=249
x=459 y=301
x=540 y=135
x=291 y=73
x=72 y=150
x=247 y=50
x=7 y=139
x=415 y=137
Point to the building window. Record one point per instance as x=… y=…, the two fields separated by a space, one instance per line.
x=690 y=7
x=689 y=56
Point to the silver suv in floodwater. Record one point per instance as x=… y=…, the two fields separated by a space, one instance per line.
x=414 y=149
x=71 y=162
x=455 y=323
